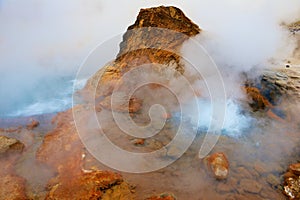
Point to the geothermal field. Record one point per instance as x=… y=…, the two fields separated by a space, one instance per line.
x=193 y=100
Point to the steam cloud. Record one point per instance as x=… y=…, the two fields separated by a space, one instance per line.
x=42 y=40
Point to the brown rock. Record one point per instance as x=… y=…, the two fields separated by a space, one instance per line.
x=13 y=129
x=10 y=145
x=33 y=124
x=119 y=192
x=90 y=185
x=164 y=196
x=139 y=141
x=12 y=187
x=155 y=37
x=218 y=164
x=291 y=185
x=259 y=102
x=121 y=104
x=251 y=186
x=295 y=168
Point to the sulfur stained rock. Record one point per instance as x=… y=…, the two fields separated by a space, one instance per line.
x=156 y=37
x=63 y=151
x=218 y=164
x=291 y=185
x=10 y=145
x=259 y=102
x=164 y=196
x=12 y=187
x=138 y=141
x=122 y=191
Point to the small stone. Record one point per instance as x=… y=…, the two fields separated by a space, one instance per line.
x=138 y=141
x=8 y=145
x=218 y=164
x=164 y=196
x=251 y=186
x=33 y=124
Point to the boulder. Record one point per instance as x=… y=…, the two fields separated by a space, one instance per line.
x=10 y=145
x=218 y=164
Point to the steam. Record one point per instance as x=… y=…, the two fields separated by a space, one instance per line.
x=49 y=39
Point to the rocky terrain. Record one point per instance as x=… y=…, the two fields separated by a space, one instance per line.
x=47 y=160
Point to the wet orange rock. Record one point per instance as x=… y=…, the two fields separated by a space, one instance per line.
x=164 y=196
x=291 y=185
x=62 y=148
x=12 y=187
x=259 y=102
x=85 y=185
x=295 y=168
x=156 y=37
x=218 y=164
x=63 y=151
x=33 y=124
x=139 y=141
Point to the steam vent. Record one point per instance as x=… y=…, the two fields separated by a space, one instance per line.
x=58 y=157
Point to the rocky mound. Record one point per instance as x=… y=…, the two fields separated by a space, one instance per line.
x=62 y=148
x=155 y=37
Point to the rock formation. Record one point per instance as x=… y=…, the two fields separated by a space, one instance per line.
x=62 y=148
x=155 y=37
x=218 y=164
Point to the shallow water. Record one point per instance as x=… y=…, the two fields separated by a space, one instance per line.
x=50 y=95
x=259 y=157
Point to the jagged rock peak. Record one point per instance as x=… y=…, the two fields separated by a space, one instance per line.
x=168 y=17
